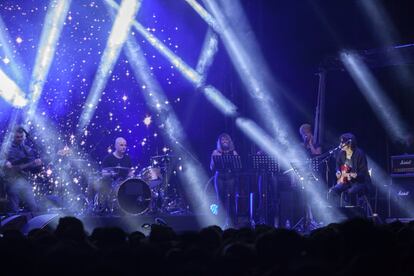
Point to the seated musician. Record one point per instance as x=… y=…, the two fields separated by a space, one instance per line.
x=116 y=167
x=118 y=163
x=224 y=180
x=20 y=162
x=351 y=169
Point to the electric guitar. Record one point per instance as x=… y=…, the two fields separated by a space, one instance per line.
x=22 y=168
x=346 y=175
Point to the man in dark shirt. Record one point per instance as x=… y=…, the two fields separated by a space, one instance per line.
x=351 y=169
x=116 y=167
x=118 y=164
x=20 y=161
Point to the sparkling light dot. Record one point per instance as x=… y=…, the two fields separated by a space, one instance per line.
x=147 y=120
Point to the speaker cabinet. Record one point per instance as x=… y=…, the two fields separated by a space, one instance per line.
x=401 y=197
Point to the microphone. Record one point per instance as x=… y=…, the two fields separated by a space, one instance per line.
x=349 y=141
x=335 y=149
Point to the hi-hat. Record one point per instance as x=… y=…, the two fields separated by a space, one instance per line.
x=162 y=156
x=116 y=168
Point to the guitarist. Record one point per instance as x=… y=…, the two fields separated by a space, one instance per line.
x=351 y=169
x=20 y=162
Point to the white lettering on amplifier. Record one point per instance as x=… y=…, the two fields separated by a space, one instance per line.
x=406 y=162
x=405 y=193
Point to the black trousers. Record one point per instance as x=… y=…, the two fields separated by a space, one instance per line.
x=351 y=191
x=226 y=188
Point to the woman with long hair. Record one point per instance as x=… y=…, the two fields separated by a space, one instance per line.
x=224 y=179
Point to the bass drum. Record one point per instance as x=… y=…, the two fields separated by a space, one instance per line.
x=133 y=196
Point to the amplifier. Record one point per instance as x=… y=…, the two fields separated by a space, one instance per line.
x=402 y=164
x=401 y=197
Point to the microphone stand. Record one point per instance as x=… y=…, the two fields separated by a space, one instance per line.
x=307 y=223
x=325 y=156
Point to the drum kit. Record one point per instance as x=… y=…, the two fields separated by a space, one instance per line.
x=133 y=195
x=146 y=192
x=82 y=190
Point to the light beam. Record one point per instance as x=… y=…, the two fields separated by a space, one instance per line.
x=52 y=29
x=382 y=106
x=11 y=92
x=117 y=38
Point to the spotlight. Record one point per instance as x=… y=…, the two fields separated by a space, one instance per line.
x=11 y=92
x=214 y=209
x=194 y=175
x=204 y=14
x=208 y=52
x=52 y=29
x=6 y=46
x=188 y=72
x=382 y=106
x=380 y=20
x=220 y=101
x=117 y=38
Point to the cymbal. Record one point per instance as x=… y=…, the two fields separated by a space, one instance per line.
x=162 y=156
x=79 y=160
x=116 y=168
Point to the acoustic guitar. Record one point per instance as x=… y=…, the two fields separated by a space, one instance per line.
x=346 y=175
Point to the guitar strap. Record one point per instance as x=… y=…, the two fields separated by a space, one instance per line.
x=348 y=162
x=23 y=148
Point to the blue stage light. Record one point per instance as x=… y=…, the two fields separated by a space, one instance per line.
x=52 y=29
x=193 y=176
x=214 y=208
x=382 y=106
x=10 y=57
x=116 y=40
x=11 y=92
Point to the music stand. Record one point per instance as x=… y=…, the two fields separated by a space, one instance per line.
x=227 y=162
x=266 y=167
x=305 y=173
x=265 y=163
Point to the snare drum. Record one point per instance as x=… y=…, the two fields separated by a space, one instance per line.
x=133 y=196
x=151 y=175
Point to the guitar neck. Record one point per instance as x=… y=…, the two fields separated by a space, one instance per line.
x=25 y=166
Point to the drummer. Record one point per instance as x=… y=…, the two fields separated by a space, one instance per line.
x=118 y=163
